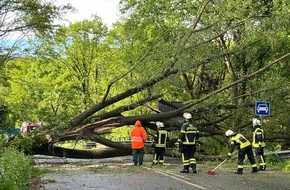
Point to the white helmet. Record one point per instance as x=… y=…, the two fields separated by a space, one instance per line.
x=256 y=122
x=159 y=124
x=230 y=133
x=187 y=116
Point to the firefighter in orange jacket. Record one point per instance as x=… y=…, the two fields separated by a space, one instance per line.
x=259 y=143
x=138 y=138
x=244 y=148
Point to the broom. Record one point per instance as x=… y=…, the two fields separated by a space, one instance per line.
x=212 y=172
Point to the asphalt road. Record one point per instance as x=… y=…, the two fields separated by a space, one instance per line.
x=119 y=173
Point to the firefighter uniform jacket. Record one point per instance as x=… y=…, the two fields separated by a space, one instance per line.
x=238 y=141
x=189 y=133
x=161 y=138
x=258 y=138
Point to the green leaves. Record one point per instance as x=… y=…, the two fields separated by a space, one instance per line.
x=206 y=44
x=15 y=169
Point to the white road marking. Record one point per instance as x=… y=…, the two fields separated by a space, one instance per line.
x=177 y=178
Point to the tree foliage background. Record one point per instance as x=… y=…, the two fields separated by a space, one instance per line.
x=215 y=57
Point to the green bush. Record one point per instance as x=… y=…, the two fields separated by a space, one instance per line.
x=15 y=170
x=274 y=161
x=287 y=167
x=22 y=144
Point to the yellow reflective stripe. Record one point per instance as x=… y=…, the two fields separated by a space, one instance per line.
x=192 y=161
x=239 y=139
x=240 y=166
x=182 y=158
x=161 y=133
x=254 y=165
x=191 y=132
x=244 y=145
x=256 y=145
x=189 y=143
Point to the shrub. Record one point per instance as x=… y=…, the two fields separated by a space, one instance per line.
x=15 y=170
x=22 y=144
x=274 y=161
x=287 y=167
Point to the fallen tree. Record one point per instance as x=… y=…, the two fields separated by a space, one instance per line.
x=80 y=128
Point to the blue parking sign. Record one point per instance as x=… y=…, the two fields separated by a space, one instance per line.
x=262 y=108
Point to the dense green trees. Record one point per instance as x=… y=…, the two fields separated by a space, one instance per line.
x=20 y=21
x=217 y=58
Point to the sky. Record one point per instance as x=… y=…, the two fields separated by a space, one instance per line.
x=106 y=9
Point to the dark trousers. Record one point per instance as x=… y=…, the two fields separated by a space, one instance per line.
x=159 y=153
x=138 y=155
x=260 y=156
x=187 y=155
x=241 y=157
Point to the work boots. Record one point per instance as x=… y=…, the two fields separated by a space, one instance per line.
x=185 y=170
x=262 y=168
x=239 y=171
x=254 y=170
x=194 y=168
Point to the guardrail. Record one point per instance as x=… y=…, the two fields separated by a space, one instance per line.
x=283 y=154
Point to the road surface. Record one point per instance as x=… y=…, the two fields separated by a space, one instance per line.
x=120 y=173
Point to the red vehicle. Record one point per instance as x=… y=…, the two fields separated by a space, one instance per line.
x=27 y=127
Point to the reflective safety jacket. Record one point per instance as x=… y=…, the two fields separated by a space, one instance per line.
x=258 y=137
x=189 y=133
x=161 y=138
x=238 y=141
x=138 y=136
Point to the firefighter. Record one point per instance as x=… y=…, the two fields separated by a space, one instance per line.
x=160 y=140
x=138 y=138
x=259 y=143
x=189 y=134
x=244 y=148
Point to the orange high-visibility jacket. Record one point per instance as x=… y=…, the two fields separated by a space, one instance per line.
x=138 y=136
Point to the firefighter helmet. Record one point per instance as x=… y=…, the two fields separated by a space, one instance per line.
x=159 y=124
x=230 y=133
x=187 y=116
x=256 y=122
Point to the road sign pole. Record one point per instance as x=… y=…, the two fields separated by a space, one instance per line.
x=261 y=119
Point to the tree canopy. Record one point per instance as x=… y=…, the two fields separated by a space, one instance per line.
x=216 y=58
